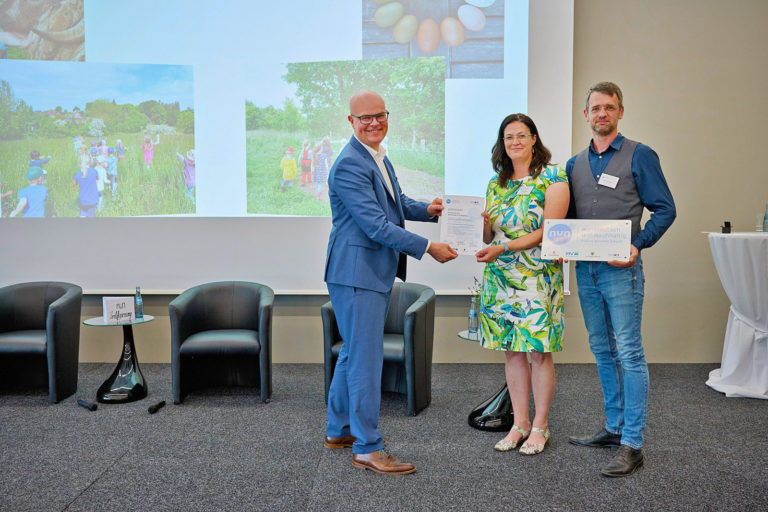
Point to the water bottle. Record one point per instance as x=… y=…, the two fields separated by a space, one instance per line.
x=765 y=218
x=472 y=321
x=138 y=304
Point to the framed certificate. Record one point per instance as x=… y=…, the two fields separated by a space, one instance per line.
x=586 y=240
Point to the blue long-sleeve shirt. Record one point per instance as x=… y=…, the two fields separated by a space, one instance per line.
x=651 y=187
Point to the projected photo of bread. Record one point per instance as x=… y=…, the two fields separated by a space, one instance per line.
x=468 y=33
x=42 y=30
x=296 y=124
x=96 y=140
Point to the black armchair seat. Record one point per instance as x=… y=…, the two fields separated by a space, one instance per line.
x=221 y=333
x=40 y=336
x=222 y=342
x=408 y=338
x=394 y=348
x=23 y=342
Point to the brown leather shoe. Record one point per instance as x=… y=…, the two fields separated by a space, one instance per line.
x=382 y=462
x=339 y=442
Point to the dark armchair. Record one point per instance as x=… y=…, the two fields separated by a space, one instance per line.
x=221 y=333
x=40 y=336
x=408 y=335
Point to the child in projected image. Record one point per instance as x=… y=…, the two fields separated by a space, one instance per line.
x=305 y=162
x=36 y=161
x=32 y=198
x=112 y=169
x=288 y=166
x=87 y=179
x=149 y=148
x=323 y=155
x=3 y=195
x=76 y=143
x=101 y=169
x=103 y=149
x=189 y=171
x=120 y=149
x=83 y=158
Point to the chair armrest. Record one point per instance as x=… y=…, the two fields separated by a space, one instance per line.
x=330 y=328
x=266 y=305
x=62 y=325
x=6 y=309
x=330 y=336
x=419 y=307
x=185 y=319
x=420 y=324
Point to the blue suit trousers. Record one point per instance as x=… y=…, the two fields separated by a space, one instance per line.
x=354 y=398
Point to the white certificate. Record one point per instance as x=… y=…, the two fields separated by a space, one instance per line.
x=587 y=240
x=461 y=225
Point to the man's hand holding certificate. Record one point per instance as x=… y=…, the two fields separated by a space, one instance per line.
x=587 y=240
x=461 y=225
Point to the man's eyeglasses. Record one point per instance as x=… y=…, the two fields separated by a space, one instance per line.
x=381 y=117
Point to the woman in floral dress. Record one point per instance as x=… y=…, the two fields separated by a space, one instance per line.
x=522 y=299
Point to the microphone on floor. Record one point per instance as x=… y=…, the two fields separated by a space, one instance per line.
x=87 y=405
x=154 y=408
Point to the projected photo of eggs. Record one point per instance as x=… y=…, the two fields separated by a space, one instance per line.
x=468 y=33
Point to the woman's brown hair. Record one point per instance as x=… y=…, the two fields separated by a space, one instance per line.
x=502 y=164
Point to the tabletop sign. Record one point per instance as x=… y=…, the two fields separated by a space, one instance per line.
x=118 y=310
x=586 y=239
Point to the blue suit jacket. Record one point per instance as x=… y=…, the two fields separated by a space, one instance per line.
x=368 y=241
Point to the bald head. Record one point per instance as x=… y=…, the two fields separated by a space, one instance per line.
x=362 y=100
x=368 y=103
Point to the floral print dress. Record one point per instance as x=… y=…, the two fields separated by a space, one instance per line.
x=522 y=299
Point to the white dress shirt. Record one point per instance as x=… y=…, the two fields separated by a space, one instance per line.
x=378 y=157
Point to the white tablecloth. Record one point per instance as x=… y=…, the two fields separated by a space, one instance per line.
x=741 y=260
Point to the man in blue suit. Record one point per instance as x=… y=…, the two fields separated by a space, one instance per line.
x=367 y=248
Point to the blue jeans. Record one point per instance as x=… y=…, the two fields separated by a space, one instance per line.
x=612 y=303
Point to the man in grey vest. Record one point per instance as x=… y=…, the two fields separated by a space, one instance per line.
x=616 y=178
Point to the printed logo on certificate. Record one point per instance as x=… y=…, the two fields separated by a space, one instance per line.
x=586 y=240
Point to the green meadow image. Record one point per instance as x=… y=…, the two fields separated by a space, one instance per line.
x=127 y=130
x=291 y=146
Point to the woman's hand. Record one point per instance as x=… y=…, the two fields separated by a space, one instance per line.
x=490 y=253
x=487 y=231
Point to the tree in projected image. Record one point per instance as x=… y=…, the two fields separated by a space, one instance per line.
x=414 y=91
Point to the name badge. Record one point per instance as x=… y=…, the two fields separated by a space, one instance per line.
x=524 y=190
x=607 y=180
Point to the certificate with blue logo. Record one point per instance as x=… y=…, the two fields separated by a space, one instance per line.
x=586 y=240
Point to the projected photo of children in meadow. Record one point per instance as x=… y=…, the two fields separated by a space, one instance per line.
x=295 y=128
x=108 y=140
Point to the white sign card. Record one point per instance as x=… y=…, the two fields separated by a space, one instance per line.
x=461 y=225
x=586 y=240
x=118 y=310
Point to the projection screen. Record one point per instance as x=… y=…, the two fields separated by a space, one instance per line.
x=179 y=114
